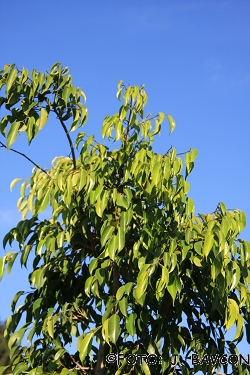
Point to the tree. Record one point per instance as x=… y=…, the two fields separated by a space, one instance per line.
x=123 y=264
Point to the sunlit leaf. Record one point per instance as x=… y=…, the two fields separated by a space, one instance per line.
x=114 y=328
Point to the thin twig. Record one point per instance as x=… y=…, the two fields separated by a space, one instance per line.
x=67 y=135
x=26 y=157
x=78 y=365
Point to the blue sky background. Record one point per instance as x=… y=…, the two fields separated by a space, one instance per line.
x=194 y=58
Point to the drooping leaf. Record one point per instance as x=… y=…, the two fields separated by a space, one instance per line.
x=12 y=134
x=171 y=123
x=43 y=118
x=130 y=324
x=233 y=313
x=209 y=239
x=114 y=328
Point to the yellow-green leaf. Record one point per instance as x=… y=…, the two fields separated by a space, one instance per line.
x=106 y=234
x=121 y=238
x=105 y=331
x=209 y=240
x=10 y=80
x=113 y=246
x=171 y=123
x=156 y=173
x=12 y=134
x=50 y=326
x=233 y=313
x=43 y=118
x=86 y=345
x=14 y=182
x=43 y=202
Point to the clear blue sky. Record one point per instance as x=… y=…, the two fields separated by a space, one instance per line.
x=194 y=58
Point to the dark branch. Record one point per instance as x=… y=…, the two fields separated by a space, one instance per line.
x=26 y=157
x=67 y=134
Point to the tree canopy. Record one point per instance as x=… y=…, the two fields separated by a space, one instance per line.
x=122 y=266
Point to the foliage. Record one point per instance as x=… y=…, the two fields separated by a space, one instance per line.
x=123 y=264
x=4 y=350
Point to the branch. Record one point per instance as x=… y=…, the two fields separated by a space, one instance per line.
x=100 y=366
x=67 y=134
x=26 y=157
x=78 y=365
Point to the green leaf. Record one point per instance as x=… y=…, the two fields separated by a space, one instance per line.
x=142 y=284
x=145 y=368
x=12 y=133
x=240 y=327
x=10 y=80
x=50 y=327
x=242 y=220
x=43 y=118
x=43 y=202
x=86 y=345
x=122 y=201
x=2 y=263
x=130 y=324
x=106 y=235
x=83 y=179
x=36 y=278
x=190 y=207
x=123 y=306
x=165 y=275
x=3 y=368
x=121 y=238
x=14 y=182
x=60 y=239
x=156 y=173
x=105 y=331
x=233 y=313
x=120 y=292
x=208 y=243
x=174 y=286
x=171 y=123
x=193 y=154
x=114 y=328
x=113 y=246
x=10 y=262
x=25 y=254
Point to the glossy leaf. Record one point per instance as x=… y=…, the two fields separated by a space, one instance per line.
x=130 y=324
x=12 y=133
x=121 y=238
x=142 y=284
x=10 y=80
x=114 y=328
x=209 y=239
x=86 y=345
x=43 y=202
x=106 y=235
